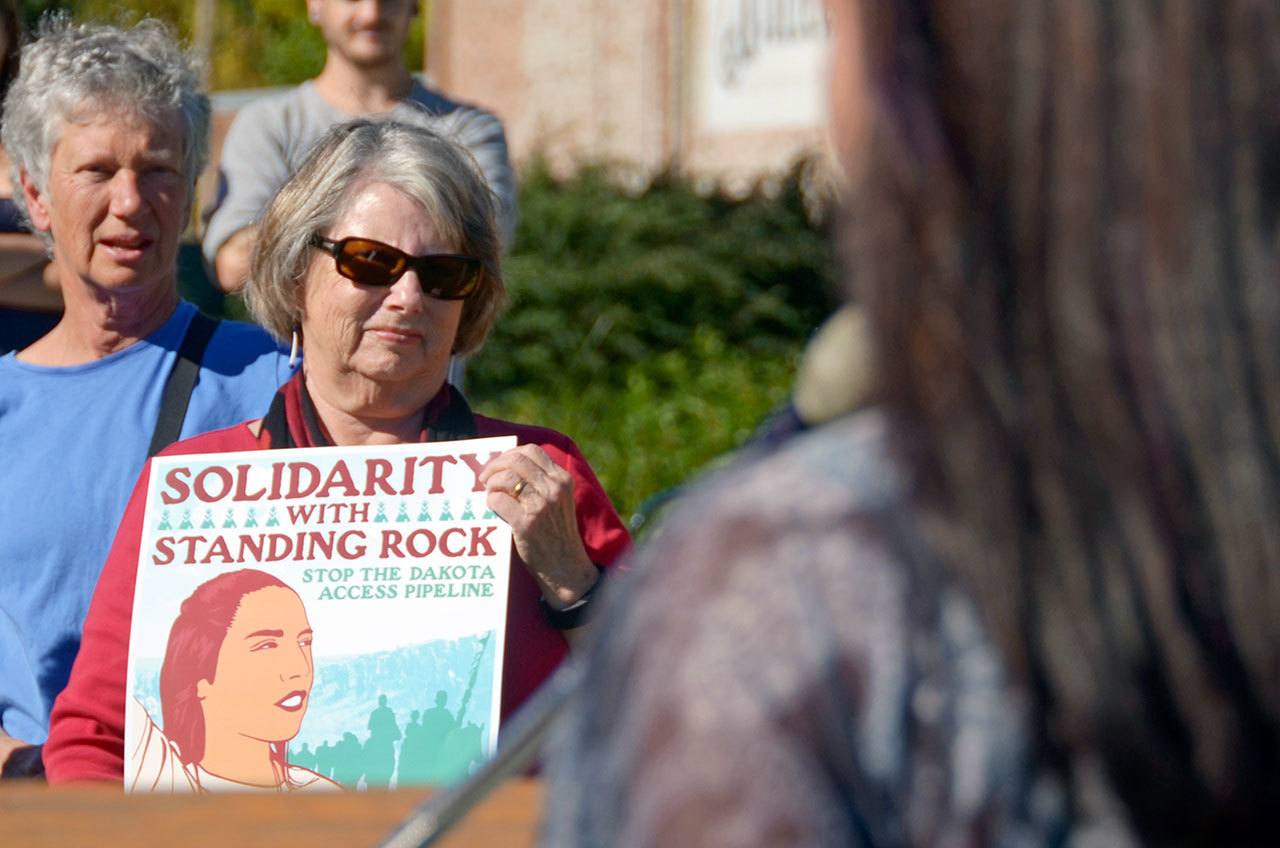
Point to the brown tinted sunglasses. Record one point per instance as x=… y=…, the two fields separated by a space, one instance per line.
x=445 y=276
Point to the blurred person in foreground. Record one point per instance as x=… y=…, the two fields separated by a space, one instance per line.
x=382 y=257
x=1031 y=596
x=363 y=76
x=106 y=129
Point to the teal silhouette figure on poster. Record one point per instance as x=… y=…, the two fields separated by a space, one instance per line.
x=164 y=521
x=409 y=764
x=464 y=749
x=230 y=523
x=446 y=748
x=304 y=757
x=403 y=514
x=437 y=725
x=348 y=760
x=324 y=759
x=380 y=748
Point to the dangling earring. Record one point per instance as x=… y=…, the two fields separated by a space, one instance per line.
x=293 y=348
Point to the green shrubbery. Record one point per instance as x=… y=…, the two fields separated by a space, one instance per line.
x=659 y=328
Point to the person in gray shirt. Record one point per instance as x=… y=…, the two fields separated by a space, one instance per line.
x=363 y=76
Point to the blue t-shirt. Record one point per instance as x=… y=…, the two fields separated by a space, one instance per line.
x=72 y=442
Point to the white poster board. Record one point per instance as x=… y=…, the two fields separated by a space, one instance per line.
x=371 y=585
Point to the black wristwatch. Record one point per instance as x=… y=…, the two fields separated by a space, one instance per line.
x=24 y=762
x=577 y=613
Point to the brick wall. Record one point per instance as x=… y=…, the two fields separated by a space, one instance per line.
x=590 y=80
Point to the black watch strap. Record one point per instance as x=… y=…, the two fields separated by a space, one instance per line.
x=576 y=614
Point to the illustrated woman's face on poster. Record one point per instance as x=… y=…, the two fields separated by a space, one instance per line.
x=264 y=673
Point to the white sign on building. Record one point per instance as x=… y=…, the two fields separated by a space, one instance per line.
x=760 y=64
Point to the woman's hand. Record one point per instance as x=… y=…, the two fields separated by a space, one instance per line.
x=535 y=496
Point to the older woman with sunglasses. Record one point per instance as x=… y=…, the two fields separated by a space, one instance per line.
x=380 y=257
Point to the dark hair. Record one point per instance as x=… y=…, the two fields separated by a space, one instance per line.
x=1066 y=245
x=192 y=655
x=12 y=29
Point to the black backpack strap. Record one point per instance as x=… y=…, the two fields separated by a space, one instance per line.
x=181 y=382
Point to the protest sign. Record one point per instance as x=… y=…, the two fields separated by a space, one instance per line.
x=315 y=618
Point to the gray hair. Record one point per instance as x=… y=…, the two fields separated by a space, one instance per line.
x=76 y=69
x=435 y=173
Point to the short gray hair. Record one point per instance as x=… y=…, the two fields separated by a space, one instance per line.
x=435 y=173
x=74 y=69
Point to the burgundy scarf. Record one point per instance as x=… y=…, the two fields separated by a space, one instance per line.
x=292 y=422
